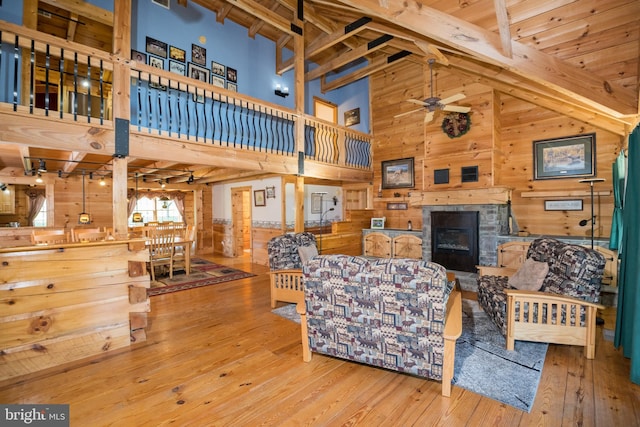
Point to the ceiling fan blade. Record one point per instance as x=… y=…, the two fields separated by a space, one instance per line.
x=453 y=98
x=456 y=108
x=417 y=101
x=406 y=113
x=428 y=118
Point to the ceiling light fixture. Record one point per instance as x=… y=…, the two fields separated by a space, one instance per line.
x=137 y=216
x=84 y=217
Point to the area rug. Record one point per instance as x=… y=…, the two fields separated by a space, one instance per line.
x=203 y=273
x=482 y=364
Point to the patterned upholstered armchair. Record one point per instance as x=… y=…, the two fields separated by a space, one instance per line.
x=560 y=309
x=286 y=266
x=399 y=314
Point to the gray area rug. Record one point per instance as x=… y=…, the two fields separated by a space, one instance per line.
x=483 y=365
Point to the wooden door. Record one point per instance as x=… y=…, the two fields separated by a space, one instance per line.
x=241 y=220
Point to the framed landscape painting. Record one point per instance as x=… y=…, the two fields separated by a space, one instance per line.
x=398 y=173
x=568 y=157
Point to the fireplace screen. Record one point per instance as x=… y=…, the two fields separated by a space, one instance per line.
x=454 y=239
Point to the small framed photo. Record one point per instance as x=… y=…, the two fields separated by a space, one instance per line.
x=177 y=67
x=198 y=73
x=218 y=69
x=199 y=98
x=232 y=75
x=316 y=203
x=177 y=54
x=156 y=47
x=352 y=117
x=156 y=62
x=259 y=198
x=397 y=206
x=138 y=56
x=217 y=80
x=398 y=173
x=232 y=87
x=377 y=223
x=198 y=55
x=271 y=192
x=563 y=205
x=569 y=157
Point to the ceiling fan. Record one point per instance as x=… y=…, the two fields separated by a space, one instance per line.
x=434 y=104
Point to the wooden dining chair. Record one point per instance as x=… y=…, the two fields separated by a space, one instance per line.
x=75 y=231
x=161 y=250
x=49 y=237
x=91 y=236
x=180 y=254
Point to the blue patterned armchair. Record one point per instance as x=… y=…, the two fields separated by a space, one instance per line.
x=562 y=310
x=398 y=314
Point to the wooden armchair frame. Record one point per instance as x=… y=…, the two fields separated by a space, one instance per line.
x=286 y=286
x=535 y=323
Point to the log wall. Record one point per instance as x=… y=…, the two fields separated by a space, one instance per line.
x=499 y=143
x=70 y=302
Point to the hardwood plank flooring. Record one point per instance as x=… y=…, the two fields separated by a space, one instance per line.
x=217 y=356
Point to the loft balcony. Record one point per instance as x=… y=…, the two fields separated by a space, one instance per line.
x=63 y=96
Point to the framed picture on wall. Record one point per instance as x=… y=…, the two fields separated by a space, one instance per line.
x=398 y=173
x=568 y=157
x=198 y=73
x=259 y=198
x=377 y=223
x=198 y=55
x=316 y=203
x=217 y=80
x=156 y=47
x=352 y=117
x=177 y=67
x=218 y=69
x=138 y=56
x=232 y=75
x=156 y=62
x=177 y=54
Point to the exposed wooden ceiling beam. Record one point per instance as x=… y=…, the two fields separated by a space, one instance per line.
x=503 y=27
x=376 y=65
x=222 y=13
x=325 y=42
x=527 y=62
x=259 y=23
x=270 y=17
x=71 y=28
x=85 y=9
x=348 y=57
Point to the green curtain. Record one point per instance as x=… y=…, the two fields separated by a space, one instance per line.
x=628 y=310
x=619 y=175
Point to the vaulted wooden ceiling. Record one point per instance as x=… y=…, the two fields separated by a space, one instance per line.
x=578 y=57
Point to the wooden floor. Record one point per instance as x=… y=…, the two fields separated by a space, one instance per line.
x=218 y=356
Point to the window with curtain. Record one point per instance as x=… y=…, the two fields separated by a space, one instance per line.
x=161 y=208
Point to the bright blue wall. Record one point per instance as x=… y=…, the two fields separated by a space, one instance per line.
x=11 y=11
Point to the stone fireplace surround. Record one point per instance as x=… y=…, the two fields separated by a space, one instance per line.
x=493 y=222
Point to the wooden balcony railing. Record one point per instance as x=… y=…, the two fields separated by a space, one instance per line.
x=44 y=75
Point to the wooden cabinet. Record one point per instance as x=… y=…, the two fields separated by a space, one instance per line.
x=8 y=201
x=392 y=244
x=512 y=254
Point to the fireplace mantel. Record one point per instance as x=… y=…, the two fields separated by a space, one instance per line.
x=472 y=196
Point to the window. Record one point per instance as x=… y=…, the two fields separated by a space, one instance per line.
x=41 y=219
x=160 y=209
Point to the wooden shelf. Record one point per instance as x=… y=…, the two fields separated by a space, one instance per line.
x=563 y=194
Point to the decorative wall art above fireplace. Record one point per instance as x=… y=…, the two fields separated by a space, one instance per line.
x=568 y=157
x=398 y=173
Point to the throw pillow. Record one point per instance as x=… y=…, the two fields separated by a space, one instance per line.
x=530 y=275
x=307 y=252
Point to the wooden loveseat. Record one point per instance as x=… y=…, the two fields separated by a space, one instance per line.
x=399 y=314
x=563 y=308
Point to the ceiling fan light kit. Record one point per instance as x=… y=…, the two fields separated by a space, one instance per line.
x=434 y=103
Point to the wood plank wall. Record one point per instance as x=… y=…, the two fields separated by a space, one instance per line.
x=500 y=143
x=69 y=303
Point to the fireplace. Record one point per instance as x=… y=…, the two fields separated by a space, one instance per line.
x=454 y=240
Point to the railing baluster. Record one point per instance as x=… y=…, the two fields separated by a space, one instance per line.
x=159 y=99
x=32 y=63
x=149 y=105
x=47 y=64
x=16 y=60
x=139 y=90
x=101 y=88
x=61 y=83
x=196 y=113
x=188 y=115
x=88 y=89
x=179 y=110
x=169 y=109
x=75 y=86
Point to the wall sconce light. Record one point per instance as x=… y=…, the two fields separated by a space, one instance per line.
x=282 y=91
x=335 y=200
x=271 y=192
